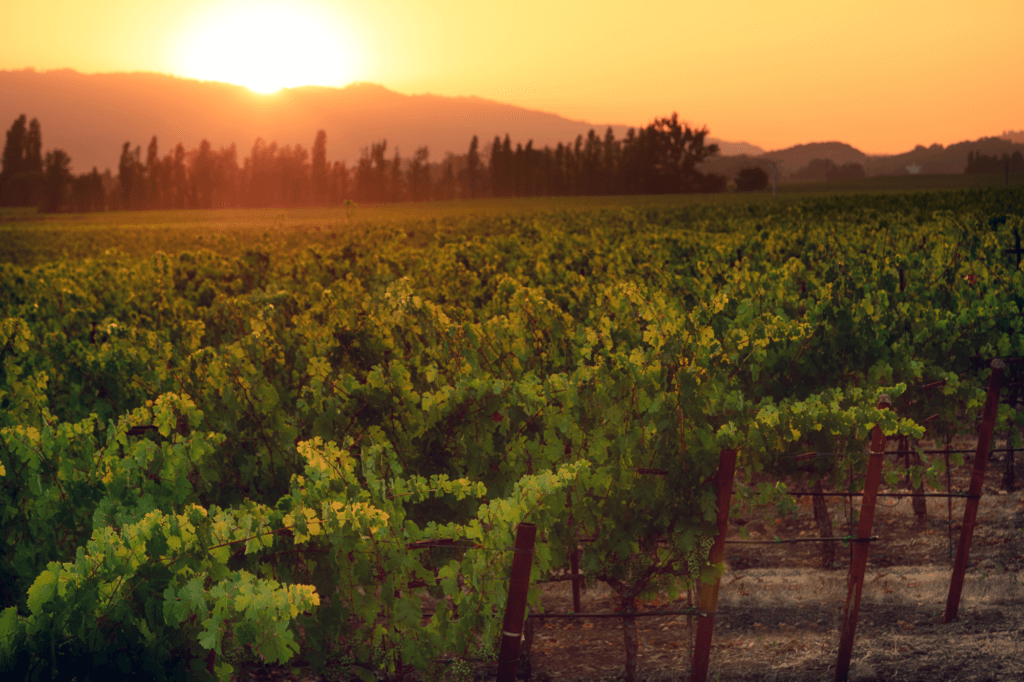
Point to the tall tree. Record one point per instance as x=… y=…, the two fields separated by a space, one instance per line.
x=635 y=166
x=177 y=177
x=14 y=149
x=34 y=148
x=371 y=173
x=519 y=171
x=154 y=184
x=262 y=184
x=202 y=177
x=396 y=183
x=470 y=176
x=227 y=174
x=591 y=166
x=364 y=176
x=496 y=168
x=576 y=174
x=126 y=175
x=610 y=163
x=508 y=182
x=675 y=152
x=293 y=169
x=21 y=172
x=530 y=167
x=87 y=193
x=419 y=175
x=319 y=170
x=447 y=187
x=341 y=183
x=132 y=180
x=558 y=182
x=57 y=180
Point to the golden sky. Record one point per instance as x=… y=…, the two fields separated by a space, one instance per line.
x=880 y=75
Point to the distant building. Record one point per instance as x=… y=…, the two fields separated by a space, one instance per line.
x=913 y=169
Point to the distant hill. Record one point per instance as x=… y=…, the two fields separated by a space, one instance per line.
x=925 y=160
x=788 y=160
x=735 y=148
x=91 y=116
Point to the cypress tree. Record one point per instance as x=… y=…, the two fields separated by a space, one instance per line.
x=21 y=174
x=34 y=148
x=318 y=171
x=472 y=171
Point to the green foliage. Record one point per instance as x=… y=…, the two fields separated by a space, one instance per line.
x=209 y=457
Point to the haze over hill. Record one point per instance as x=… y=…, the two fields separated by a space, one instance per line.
x=920 y=160
x=91 y=116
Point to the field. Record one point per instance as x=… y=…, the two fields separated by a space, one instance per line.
x=240 y=444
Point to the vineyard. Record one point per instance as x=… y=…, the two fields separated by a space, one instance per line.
x=314 y=445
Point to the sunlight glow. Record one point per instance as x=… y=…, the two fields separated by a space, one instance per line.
x=267 y=46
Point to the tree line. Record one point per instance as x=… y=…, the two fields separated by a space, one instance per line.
x=660 y=158
x=982 y=163
x=29 y=179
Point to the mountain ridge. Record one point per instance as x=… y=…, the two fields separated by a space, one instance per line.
x=935 y=159
x=91 y=115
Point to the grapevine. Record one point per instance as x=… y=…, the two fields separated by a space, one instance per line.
x=265 y=449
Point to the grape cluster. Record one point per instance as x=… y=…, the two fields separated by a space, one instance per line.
x=462 y=671
x=638 y=566
x=380 y=654
x=697 y=557
x=340 y=664
x=486 y=651
x=434 y=672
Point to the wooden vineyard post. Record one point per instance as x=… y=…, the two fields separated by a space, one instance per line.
x=709 y=593
x=515 y=606
x=1008 y=464
x=918 y=501
x=963 y=548
x=574 y=567
x=860 y=548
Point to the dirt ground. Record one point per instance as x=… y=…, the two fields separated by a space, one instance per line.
x=779 y=612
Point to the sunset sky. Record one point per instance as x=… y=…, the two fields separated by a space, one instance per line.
x=880 y=75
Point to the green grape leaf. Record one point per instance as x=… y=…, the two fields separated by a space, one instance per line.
x=42 y=591
x=8 y=626
x=208 y=639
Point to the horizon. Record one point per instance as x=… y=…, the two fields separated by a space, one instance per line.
x=882 y=79
x=597 y=126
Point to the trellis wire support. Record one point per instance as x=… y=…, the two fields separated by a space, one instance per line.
x=963 y=547
x=515 y=607
x=859 y=561
x=709 y=593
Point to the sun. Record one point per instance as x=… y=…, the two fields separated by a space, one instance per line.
x=267 y=46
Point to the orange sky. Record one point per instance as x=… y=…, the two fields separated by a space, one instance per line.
x=880 y=75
